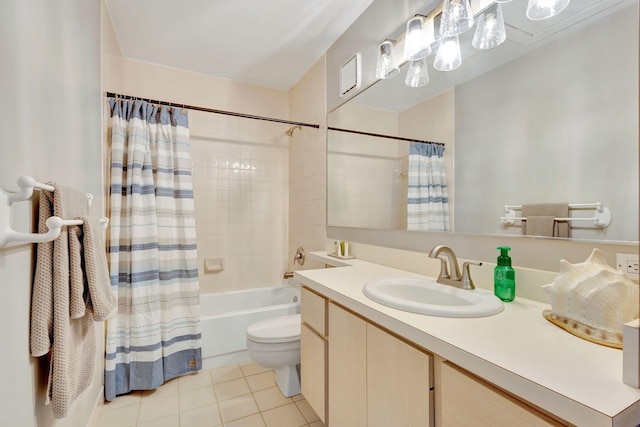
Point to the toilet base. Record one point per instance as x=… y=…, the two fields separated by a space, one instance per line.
x=288 y=380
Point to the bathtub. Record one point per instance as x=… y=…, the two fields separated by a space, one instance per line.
x=225 y=316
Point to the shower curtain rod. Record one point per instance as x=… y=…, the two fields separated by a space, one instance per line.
x=211 y=110
x=379 y=135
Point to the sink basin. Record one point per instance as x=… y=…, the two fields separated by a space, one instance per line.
x=426 y=296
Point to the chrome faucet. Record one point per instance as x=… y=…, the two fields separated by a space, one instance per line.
x=449 y=271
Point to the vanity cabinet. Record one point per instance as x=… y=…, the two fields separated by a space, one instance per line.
x=399 y=382
x=373 y=378
x=464 y=399
x=313 y=351
x=347 y=373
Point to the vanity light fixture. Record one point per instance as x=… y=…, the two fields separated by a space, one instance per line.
x=448 y=57
x=490 y=30
x=386 y=66
x=418 y=38
x=456 y=17
x=418 y=73
x=544 y=9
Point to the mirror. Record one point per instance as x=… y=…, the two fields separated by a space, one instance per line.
x=551 y=115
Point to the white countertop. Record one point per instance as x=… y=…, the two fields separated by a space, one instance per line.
x=517 y=349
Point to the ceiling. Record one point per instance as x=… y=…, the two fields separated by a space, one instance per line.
x=267 y=43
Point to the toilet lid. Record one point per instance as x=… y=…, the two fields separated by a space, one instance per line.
x=275 y=330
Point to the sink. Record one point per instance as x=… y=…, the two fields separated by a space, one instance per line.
x=426 y=296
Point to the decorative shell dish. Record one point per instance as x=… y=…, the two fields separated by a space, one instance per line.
x=592 y=300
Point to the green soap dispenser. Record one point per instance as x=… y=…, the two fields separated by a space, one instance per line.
x=504 y=276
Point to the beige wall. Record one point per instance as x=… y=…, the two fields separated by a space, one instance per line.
x=51 y=130
x=307 y=165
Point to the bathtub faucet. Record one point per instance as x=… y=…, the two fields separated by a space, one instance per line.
x=288 y=275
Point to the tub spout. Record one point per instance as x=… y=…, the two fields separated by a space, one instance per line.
x=288 y=275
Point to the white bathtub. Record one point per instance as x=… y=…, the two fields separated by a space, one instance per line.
x=225 y=316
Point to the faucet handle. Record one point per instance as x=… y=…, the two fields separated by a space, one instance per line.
x=467 y=283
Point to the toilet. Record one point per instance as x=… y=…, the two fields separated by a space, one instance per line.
x=275 y=344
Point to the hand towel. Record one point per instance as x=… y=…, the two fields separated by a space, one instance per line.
x=77 y=305
x=555 y=210
x=69 y=342
x=540 y=225
x=100 y=299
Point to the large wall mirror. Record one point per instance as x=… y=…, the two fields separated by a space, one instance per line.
x=551 y=115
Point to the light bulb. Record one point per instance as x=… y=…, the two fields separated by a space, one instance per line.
x=448 y=57
x=456 y=17
x=490 y=30
x=544 y=9
x=418 y=38
x=386 y=66
x=418 y=73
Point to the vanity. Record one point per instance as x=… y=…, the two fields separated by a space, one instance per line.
x=366 y=364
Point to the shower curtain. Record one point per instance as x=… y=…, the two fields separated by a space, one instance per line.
x=152 y=249
x=427 y=198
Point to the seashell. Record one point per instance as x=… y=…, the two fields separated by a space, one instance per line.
x=592 y=300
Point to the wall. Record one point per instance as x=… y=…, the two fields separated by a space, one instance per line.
x=549 y=124
x=51 y=129
x=240 y=169
x=307 y=166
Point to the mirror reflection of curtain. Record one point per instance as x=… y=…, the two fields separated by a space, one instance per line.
x=427 y=196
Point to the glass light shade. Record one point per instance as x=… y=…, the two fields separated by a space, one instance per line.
x=418 y=38
x=490 y=29
x=386 y=66
x=544 y=9
x=418 y=73
x=448 y=57
x=456 y=17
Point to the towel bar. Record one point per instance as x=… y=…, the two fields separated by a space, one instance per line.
x=54 y=224
x=601 y=219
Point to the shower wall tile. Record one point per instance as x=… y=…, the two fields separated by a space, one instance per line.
x=241 y=192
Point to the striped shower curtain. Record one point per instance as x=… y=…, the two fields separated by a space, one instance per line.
x=427 y=197
x=152 y=249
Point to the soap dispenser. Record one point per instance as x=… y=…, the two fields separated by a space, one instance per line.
x=504 y=276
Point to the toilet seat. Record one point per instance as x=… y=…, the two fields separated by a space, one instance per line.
x=276 y=330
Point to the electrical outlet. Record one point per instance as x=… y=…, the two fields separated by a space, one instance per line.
x=628 y=263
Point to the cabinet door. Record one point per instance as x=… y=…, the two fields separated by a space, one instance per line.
x=347 y=369
x=313 y=310
x=313 y=370
x=398 y=382
x=466 y=400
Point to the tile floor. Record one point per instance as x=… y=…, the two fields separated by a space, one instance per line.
x=243 y=395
